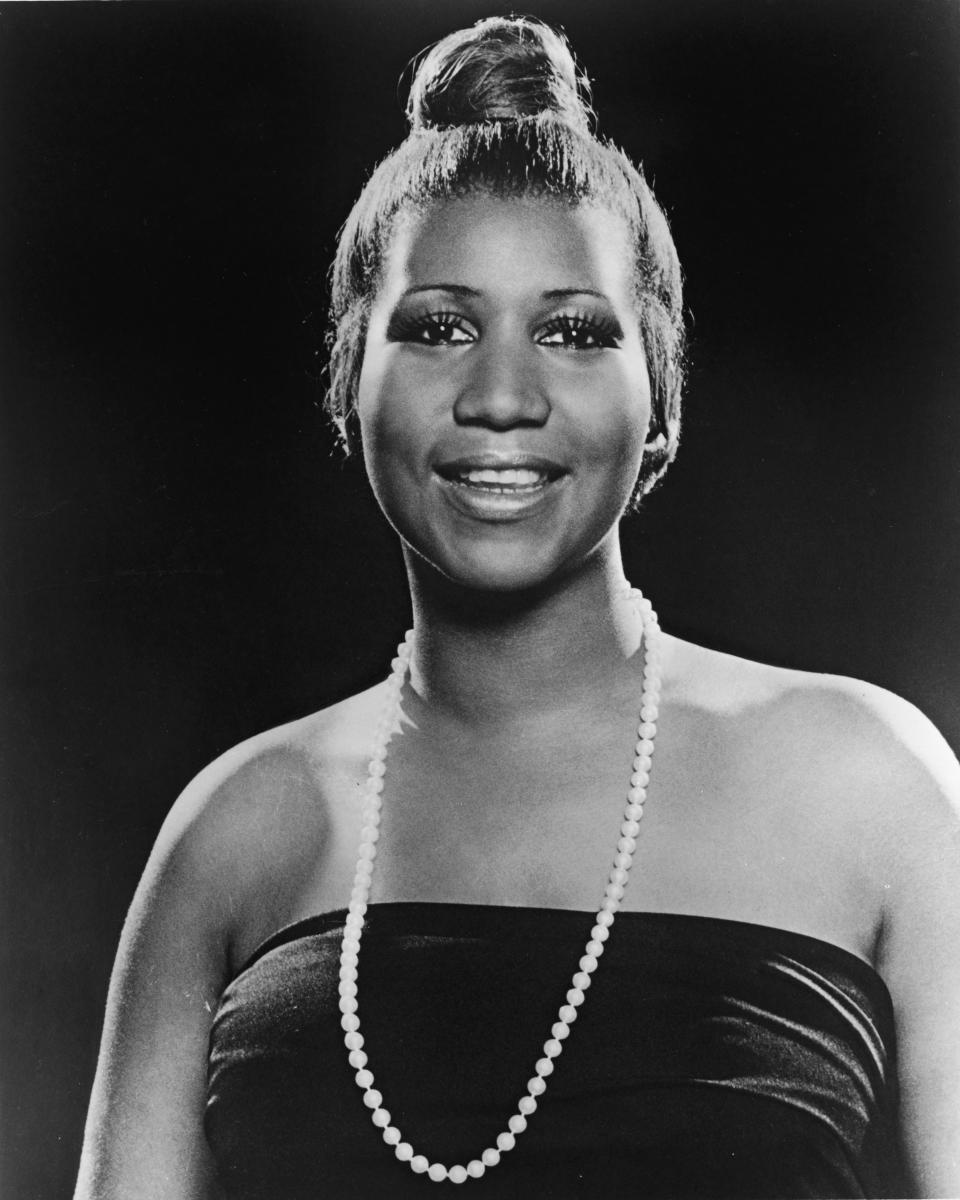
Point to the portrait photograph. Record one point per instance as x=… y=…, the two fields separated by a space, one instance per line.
x=500 y=468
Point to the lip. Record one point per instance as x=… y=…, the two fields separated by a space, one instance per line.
x=499 y=461
x=504 y=504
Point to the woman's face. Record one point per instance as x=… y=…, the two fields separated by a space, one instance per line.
x=504 y=398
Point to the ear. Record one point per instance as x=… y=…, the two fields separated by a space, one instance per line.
x=656 y=440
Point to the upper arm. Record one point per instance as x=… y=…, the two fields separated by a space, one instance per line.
x=144 y=1127
x=920 y=949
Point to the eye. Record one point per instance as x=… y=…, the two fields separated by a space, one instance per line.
x=431 y=329
x=580 y=331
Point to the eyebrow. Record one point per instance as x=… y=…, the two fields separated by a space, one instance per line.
x=560 y=293
x=459 y=289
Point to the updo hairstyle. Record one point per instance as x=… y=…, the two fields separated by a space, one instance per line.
x=502 y=108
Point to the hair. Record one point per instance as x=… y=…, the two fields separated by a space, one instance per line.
x=502 y=107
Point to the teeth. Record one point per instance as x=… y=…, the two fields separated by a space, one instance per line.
x=510 y=477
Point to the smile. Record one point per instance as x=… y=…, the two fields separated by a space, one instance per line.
x=509 y=481
x=499 y=491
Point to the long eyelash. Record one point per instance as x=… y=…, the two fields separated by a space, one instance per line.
x=605 y=330
x=404 y=327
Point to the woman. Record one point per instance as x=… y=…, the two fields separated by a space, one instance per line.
x=708 y=1016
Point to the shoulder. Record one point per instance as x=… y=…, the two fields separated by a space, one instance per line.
x=830 y=719
x=847 y=751
x=255 y=824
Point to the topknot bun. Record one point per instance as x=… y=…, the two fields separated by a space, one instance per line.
x=501 y=69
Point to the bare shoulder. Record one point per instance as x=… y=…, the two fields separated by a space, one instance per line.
x=252 y=831
x=864 y=793
x=868 y=741
x=241 y=848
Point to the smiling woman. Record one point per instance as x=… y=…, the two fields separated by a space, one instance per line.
x=504 y=401
x=421 y=936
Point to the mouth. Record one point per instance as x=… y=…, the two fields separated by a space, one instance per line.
x=508 y=481
x=518 y=473
x=498 y=489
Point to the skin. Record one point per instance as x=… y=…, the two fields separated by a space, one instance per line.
x=811 y=803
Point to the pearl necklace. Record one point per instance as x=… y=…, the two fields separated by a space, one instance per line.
x=612 y=896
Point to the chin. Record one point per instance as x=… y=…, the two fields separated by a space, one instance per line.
x=499 y=570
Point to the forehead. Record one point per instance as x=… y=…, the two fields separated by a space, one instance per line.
x=506 y=245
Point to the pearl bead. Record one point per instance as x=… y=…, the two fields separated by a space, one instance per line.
x=388 y=724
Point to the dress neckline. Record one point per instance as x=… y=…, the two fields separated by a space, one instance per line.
x=454 y=919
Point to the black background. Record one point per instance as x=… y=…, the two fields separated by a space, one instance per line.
x=186 y=558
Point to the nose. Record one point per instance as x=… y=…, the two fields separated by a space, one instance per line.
x=504 y=387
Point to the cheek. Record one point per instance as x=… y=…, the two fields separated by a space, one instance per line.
x=391 y=430
x=618 y=430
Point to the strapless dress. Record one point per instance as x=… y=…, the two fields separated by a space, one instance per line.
x=712 y=1058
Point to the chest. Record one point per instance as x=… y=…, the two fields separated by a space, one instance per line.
x=533 y=820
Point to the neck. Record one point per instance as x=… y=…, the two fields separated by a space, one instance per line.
x=496 y=658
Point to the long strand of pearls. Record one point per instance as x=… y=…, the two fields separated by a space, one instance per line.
x=603 y=923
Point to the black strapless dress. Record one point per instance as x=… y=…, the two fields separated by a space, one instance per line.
x=711 y=1058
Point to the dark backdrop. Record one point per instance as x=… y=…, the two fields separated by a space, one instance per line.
x=186 y=558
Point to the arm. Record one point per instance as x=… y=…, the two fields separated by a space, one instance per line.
x=920 y=952
x=144 y=1135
